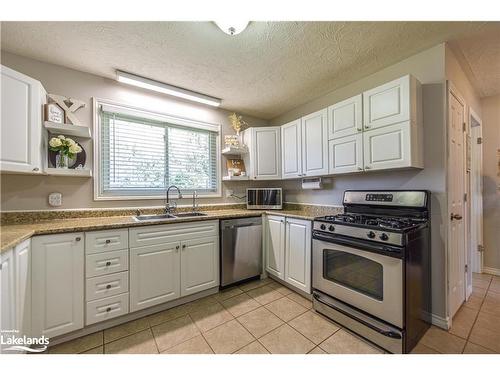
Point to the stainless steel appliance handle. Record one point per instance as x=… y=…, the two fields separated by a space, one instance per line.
x=391 y=334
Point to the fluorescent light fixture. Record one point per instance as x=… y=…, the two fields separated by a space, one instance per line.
x=146 y=83
x=232 y=27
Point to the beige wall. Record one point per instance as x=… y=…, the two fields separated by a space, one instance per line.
x=428 y=67
x=30 y=192
x=491 y=181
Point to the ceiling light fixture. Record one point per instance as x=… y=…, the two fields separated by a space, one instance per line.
x=146 y=83
x=232 y=27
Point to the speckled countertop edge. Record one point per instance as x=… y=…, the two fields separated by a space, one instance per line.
x=13 y=234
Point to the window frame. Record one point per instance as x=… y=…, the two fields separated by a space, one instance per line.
x=154 y=115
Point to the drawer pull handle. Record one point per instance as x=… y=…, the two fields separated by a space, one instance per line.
x=77 y=239
x=108 y=286
x=108 y=263
x=108 y=241
x=183 y=246
x=108 y=309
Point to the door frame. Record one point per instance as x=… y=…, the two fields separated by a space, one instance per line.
x=452 y=90
x=476 y=178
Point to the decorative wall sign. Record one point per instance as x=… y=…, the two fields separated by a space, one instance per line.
x=54 y=113
x=70 y=106
x=235 y=167
x=231 y=140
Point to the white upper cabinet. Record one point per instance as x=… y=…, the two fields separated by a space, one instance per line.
x=57 y=284
x=291 y=147
x=346 y=117
x=346 y=154
x=23 y=137
x=388 y=104
x=315 y=143
x=263 y=161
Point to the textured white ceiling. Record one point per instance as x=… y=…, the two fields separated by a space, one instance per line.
x=265 y=71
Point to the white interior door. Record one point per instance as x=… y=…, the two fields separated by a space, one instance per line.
x=476 y=193
x=456 y=211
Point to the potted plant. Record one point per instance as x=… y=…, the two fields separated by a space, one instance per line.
x=66 y=149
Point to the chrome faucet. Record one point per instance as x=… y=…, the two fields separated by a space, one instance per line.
x=169 y=207
x=195 y=205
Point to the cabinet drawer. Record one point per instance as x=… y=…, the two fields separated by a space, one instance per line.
x=106 y=308
x=106 y=263
x=159 y=234
x=106 y=240
x=106 y=286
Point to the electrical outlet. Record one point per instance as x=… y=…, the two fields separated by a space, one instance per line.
x=229 y=193
x=55 y=199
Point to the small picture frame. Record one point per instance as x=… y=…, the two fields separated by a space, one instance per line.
x=54 y=113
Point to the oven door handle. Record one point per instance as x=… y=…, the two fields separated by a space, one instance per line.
x=361 y=244
x=391 y=334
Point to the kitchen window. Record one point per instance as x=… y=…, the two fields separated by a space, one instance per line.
x=140 y=154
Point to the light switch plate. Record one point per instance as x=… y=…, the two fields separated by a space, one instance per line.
x=55 y=199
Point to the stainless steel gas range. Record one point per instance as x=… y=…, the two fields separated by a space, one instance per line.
x=371 y=266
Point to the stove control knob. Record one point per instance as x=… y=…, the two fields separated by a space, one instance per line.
x=384 y=237
x=371 y=234
x=331 y=228
x=323 y=227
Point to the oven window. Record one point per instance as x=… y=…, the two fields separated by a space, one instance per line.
x=354 y=272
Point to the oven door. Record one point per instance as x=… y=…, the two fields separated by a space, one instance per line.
x=366 y=280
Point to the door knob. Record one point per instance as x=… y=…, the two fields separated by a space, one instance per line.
x=455 y=217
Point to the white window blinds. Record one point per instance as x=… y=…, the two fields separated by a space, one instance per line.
x=142 y=156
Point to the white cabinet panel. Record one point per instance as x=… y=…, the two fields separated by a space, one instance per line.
x=7 y=288
x=298 y=254
x=267 y=153
x=346 y=154
x=388 y=147
x=154 y=275
x=57 y=284
x=22 y=255
x=106 y=240
x=315 y=144
x=22 y=144
x=274 y=245
x=106 y=286
x=291 y=147
x=107 y=308
x=199 y=265
x=387 y=104
x=346 y=117
x=106 y=263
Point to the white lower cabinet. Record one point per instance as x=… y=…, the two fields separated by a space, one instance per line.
x=287 y=246
x=7 y=293
x=154 y=275
x=57 y=284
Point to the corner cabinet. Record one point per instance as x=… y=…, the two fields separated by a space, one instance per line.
x=23 y=140
x=263 y=161
x=287 y=248
x=57 y=284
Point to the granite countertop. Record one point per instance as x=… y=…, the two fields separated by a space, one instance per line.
x=13 y=234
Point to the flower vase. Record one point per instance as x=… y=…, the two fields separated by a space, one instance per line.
x=62 y=160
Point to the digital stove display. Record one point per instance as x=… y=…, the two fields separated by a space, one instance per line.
x=378 y=197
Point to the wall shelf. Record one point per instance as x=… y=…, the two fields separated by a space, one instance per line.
x=67 y=129
x=232 y=150
x=234 y=178
x=68 y=172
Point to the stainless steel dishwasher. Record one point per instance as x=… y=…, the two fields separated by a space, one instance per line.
x=241 y=249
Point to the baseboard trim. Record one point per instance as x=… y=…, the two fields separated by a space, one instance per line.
x=440 y=322
x=491 y=271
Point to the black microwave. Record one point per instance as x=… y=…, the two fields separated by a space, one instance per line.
x=264 y=198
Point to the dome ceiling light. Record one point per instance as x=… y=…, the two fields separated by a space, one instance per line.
x=232 y=27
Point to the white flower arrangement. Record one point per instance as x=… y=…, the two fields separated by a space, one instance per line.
x=65 y=146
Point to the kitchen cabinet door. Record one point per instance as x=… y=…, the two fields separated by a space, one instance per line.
x=274 y=245
x=315 y=144
x=22 y=254
x=346 y=117
x=7 y=288
x=387 y=104
x=346 y=154
x=267 y=153
x=298 y=254
x=388 y=147
x=57 y=284
x=199 y=265
x=291 y=150
x=154 y=275
x=22 y=143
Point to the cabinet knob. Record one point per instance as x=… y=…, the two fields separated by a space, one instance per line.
x=183 y=246
x=78 y=239
x=36 y=169
x=108 y=263
x=360 y=169
x=108 y=286
x=368 y=167
x=108 y=241
x=367 y=127
x=108 y=309
x=359 y=129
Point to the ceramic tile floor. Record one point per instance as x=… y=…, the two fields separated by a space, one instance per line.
x=264 y=317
